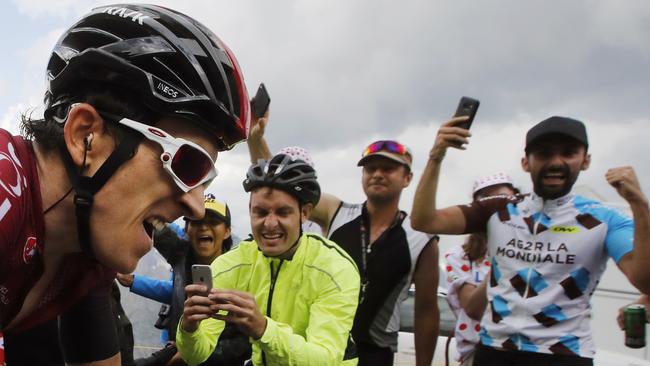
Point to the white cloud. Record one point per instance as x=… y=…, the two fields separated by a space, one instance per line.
x=60 y=9
x=10 y=119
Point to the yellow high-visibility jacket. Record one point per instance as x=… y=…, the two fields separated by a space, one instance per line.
x=309 y=302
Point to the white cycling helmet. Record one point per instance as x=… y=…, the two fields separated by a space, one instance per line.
x=297 y=152
x=491 y=180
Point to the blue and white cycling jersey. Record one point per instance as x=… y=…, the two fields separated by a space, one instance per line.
x=547 y=258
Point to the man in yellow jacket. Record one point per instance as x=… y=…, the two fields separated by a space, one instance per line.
x=294 y=294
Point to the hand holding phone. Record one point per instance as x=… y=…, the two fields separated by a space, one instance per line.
x=202 y=275
x=467 y=107
x=260 y=102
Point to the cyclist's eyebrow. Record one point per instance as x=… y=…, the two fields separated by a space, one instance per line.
x=258 y=209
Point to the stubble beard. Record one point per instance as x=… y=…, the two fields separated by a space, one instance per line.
x=548 y=193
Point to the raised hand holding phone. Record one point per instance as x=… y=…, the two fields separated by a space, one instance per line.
x=449 y=134
x=467 y=107
x=260 y=102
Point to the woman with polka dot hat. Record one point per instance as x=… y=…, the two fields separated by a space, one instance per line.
x=467 y=266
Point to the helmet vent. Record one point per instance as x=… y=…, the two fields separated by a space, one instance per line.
x=85 y=37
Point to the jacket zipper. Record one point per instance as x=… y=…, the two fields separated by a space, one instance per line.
x=274 y=277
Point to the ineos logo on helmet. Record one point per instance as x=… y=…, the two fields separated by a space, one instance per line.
x=168 y=90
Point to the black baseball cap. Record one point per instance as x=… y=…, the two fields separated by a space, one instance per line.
x=557 y=126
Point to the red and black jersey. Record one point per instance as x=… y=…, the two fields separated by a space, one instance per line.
x=22 y=242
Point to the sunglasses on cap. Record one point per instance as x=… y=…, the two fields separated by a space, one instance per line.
x=211 y=204
x=188 y=163
x=385 y=145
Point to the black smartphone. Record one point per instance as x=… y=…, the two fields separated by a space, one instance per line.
x=260 y=102
x=467 y=107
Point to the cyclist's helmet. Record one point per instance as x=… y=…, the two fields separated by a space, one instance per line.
x=295 y=177
x=491 y=180
x=297 y=152
x=175 y=65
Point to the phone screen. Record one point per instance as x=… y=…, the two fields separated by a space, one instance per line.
x=260 y=102
x=467 y=107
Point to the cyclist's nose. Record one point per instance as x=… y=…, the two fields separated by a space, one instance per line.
x=270 y=221
x=556 y=161
x=192 y=202
x=377 y=173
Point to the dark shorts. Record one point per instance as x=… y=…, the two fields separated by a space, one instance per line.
x=486 y=356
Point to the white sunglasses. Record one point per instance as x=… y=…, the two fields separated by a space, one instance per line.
x=188 y=163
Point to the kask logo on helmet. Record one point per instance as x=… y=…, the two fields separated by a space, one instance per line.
x=135 y=16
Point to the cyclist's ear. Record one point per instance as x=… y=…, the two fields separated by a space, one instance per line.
x=408 y=174
x=305 y=211
x=85 y=134
x=586 y=162
x=524 y=164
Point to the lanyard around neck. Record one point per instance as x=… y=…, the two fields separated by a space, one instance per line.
x=365 y=251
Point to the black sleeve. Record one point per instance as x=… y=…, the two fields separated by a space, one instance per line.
x=169 y=245
x=88 y=329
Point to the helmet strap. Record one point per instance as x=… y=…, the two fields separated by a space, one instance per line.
x=86 y=187
x=291 y=247
x=299 y=234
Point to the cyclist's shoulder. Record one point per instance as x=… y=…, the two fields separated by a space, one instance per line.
x=598 y=209
x=347 y=211
x=326 y=252
x=13 y=147
x=6 y=135
x=244 y=254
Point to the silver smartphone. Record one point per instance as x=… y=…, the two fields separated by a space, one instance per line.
x=202 y=275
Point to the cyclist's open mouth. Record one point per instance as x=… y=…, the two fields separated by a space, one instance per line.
x=272 y=238
x=554 y=178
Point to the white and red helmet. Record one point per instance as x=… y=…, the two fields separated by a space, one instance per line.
x=491 y=180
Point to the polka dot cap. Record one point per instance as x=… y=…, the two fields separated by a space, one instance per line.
x=491 y=180
x=297 y=152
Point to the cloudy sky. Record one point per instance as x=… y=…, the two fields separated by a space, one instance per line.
x=342 y=74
